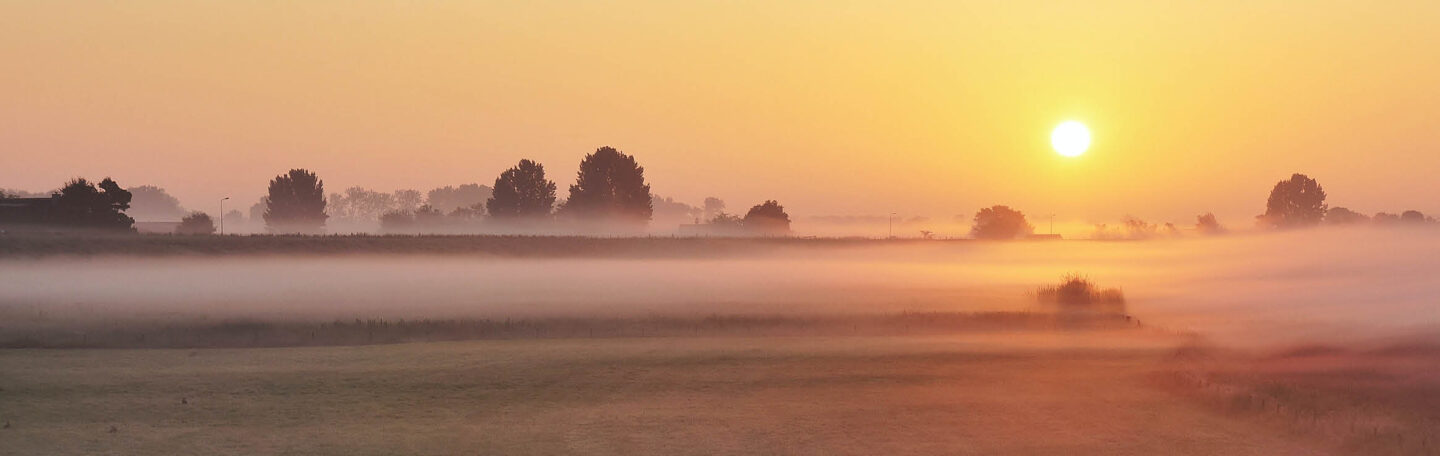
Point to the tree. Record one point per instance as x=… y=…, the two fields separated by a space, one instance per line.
x=1000 y=222
x=233 y=220
x=1294 y=203
x=149 y=202
x=1385 y=218
x=82 y=205
x=669 y=211
x=768 y=218
x=725 y=224
x=1344 y=216
x=295 y=203
x=522 y=192
x=713 y=206
x=1206 y=224
x=428 y=217
x=1412 y=216
x=196 y=223
x=408 y=200
x=610 y=188
x=448 y=198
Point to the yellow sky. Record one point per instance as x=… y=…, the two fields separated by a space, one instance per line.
x=832 y=107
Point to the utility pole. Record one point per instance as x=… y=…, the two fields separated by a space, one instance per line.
x=892 y=226
x=222 y=215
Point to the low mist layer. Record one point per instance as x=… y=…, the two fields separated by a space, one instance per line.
x=1270 y=288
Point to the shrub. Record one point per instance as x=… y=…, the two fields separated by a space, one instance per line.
x=196 y=223
x=1076 y=292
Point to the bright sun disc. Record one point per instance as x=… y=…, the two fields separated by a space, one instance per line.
x=1070 y=138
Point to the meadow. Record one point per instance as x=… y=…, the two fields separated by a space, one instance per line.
x=1038 y=394
x=1233 y=345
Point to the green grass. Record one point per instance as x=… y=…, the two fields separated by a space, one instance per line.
x=1038 y=394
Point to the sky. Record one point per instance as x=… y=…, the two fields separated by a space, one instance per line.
x=931 y=108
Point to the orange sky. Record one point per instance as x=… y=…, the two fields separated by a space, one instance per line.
x=831 y=107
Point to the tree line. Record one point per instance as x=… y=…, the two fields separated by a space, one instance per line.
x=609 y=195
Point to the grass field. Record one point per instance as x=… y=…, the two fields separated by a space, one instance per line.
x=1033 y=394
x=1250 y=345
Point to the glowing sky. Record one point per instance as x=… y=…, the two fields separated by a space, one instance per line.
x=831 y=107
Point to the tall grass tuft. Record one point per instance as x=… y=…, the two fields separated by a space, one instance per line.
x=1076 y=292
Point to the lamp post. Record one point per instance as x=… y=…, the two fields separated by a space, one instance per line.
x=222 y=215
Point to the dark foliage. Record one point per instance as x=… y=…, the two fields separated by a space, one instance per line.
x=1000 y=222
x=295 y=203
x=1076 y=292
x=82 y=205
x=196 y=223
x=1294 y=203
x=448 y=198
x=1413 y=216
x=1344 y=216
x=610 y=189
x=522 y=193
x=768 y=219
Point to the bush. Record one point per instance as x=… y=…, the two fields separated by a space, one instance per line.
x=1075 y=292
x=196 y=223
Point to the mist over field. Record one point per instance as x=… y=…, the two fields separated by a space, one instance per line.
x=1272 y=288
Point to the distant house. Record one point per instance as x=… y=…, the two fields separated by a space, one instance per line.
x=25 y=213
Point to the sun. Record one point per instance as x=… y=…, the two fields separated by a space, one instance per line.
x=1070 y=138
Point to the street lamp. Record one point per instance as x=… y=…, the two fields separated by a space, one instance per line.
x=222 y=215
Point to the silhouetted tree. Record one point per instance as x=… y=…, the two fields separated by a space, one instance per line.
x=522 y=192
x=768 y=218
x=196 y=223
x=1412 y=216
x=713 y=206
x=1297 y=202
x=82 y=205
x=295 y=203
x=447 y=198
x=725 y=224
x=151 y=203
x=610 y=188
x=1000 y=222
x=1207 y=225
x=1344 y=216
